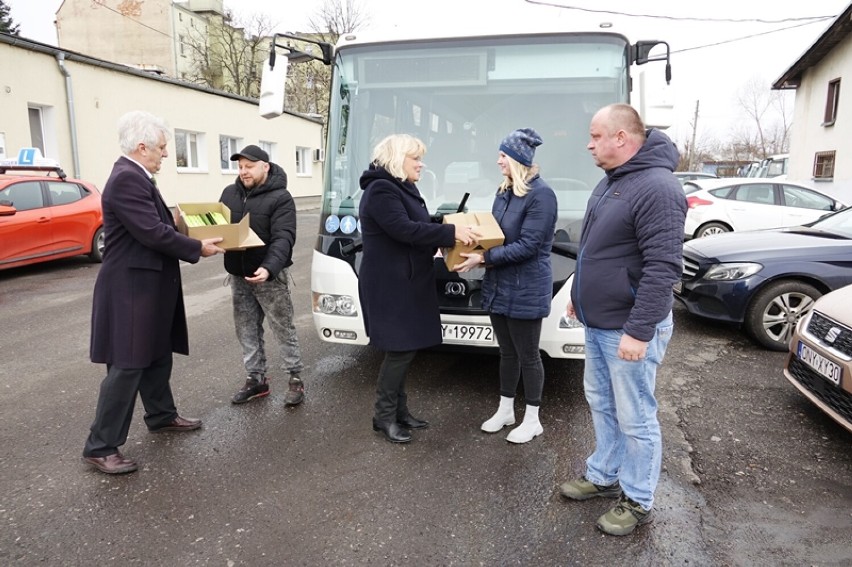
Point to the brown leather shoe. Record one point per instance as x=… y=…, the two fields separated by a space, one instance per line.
x=179 y=424
x=112 y=464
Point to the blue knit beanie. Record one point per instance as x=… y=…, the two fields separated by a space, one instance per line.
x=520 y=145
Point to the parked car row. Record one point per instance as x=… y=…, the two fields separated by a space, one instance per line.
x=44 y=216
x=790 y=288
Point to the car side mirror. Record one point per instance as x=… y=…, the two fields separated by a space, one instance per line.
x=7 y=210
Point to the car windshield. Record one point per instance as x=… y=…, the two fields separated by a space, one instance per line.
x=839 y=223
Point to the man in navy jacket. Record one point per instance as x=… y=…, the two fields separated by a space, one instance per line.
x=630 y=256
x=138 y=317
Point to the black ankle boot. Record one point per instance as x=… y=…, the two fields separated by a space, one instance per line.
x=408 y=421
x=392 y=430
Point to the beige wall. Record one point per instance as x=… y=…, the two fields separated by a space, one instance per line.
x=102 y=94
x=130 y=33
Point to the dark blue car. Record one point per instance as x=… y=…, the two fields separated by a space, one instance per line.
x=766 y=280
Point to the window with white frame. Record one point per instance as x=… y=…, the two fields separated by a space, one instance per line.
x=228 y=146
x=303 y=161
x=189 y=152
x=2 y=144
x=43 y=130
x=36 y=128
x=269 y=148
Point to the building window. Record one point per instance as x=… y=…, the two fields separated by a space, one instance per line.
x=269 y=148
x=2 y=144
x=303 y=161
x=824 y=165
x=187 y=150
x=227 y=147
x=36 y=129
x=182 y=45
x=831 y=102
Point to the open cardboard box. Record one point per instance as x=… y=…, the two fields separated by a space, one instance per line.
x=236 y=236
x=487 y=226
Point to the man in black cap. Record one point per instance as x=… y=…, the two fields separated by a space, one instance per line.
x=259 y=277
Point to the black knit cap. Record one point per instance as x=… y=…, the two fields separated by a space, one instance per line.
x=520 y=145
x=251 y=153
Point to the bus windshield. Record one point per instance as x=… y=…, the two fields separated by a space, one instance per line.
x=461 y=97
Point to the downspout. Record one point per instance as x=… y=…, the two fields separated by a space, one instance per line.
x=72 y=121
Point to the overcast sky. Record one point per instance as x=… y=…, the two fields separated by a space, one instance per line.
x=711 y=60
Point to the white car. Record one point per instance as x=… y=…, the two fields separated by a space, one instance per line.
x=737 y=204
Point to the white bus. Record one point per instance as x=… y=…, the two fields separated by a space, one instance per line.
x=461 y=96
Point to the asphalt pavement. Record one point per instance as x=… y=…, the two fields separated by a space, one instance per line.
x=753 y=475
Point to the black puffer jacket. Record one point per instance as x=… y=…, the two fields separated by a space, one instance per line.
x=273 y=219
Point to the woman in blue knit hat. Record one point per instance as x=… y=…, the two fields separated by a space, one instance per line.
x=518 y=282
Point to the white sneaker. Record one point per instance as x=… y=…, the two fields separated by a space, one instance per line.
x=527 y=431
x=498 y=421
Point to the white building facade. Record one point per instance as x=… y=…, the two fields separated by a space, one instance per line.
x=68 y=104
x=820 y=152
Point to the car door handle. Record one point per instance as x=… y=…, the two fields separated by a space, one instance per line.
x=43 y=220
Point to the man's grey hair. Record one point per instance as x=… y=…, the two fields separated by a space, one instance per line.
x=138 y=126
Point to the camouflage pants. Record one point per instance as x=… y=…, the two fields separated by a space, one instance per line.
x=254 y=303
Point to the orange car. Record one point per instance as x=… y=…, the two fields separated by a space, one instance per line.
x=45 y=216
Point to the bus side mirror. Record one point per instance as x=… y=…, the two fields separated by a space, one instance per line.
x=641 y=54
x=273 y=81
x=656 y=102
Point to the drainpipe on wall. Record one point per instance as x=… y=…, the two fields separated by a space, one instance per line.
x=72 y=121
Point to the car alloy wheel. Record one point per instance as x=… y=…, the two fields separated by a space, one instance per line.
x=774 y=312
x=712 y=228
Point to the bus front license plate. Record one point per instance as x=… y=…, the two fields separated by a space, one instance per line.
x=468 y=334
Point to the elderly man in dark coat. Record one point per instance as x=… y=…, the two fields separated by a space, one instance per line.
x=138 y=317
x=396 y=281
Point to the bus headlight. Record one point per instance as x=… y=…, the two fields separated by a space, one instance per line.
x=332 y=304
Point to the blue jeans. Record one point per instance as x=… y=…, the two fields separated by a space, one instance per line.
x=628 y=444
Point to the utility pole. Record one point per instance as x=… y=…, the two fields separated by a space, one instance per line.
x=692 y=144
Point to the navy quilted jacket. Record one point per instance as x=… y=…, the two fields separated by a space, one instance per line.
x=518 y=279
x=631 y=248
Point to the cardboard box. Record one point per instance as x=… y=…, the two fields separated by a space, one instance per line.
x=487 y=226
x=237 y=236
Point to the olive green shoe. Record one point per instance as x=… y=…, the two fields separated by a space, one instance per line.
x=624 y=517
x=583 y=489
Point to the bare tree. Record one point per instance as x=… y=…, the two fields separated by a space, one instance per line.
x=767 y=111
x=7 y=24
x=308 y=84
x=230 y=54
x=336 y=17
